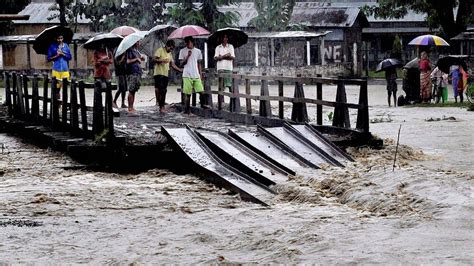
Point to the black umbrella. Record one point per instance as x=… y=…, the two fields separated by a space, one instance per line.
x=415 y=63
x=444 y=63
x=388 y=63
x=110 y=40
x=236 y=37
x=48 y=36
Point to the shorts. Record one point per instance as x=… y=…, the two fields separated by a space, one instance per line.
x=190 y=83
x=161 y=82
x=133 y=82
x=60 y=75
x=392 y=85
x=122 y=83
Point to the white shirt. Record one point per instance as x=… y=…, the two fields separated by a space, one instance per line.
x=224 y=64
x=191 y=69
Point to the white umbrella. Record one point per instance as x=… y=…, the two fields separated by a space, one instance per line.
x=129 y=41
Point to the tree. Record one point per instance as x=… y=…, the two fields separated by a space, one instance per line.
x=62 y=11
x=206 y=14
x=273 y=15
x=396 y=48
x=439 y=12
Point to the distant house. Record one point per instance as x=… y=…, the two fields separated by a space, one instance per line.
x=17 y=52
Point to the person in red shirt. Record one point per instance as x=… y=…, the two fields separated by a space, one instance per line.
x=102 y=60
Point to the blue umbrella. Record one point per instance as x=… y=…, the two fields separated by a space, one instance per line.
x=129 y=41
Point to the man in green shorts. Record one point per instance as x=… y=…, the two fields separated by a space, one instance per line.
x=191 y=59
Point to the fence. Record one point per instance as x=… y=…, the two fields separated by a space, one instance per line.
x=70 y=114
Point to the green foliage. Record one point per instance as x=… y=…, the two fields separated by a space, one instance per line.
x=439 y=13
x=273 y=15
x=330 y=116
x=205 y=14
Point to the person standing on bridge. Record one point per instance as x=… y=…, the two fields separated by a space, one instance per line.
x=60 y=54
x=190 y=59
x=102 y=61
x=224 y=55
x=134 y=60
x=163 y=60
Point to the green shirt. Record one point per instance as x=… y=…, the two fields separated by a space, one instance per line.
x=162 y=68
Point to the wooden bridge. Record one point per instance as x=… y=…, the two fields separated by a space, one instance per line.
x=245 y=159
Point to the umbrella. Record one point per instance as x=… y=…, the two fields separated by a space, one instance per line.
x=429 y=40
x=46 y=37
x=129 y=41
x=124 y=30
x=444 y=63
x=415 y=63
x=388 y=63
x=107 y=39
x=188 y=30
x=157 y=37
x=236 y=37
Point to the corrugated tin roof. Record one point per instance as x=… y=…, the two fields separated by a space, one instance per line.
x=39 y=14
x=397 y=30
x=315 y=14
x=464 y=36
x=286 y=34
x=24 y=38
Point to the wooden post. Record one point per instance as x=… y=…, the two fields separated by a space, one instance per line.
x=14 y=94
x=98 y=110
x=64 y=103
x=265 y=107
x=28 y=54
x=220 y=98
x=20 y=98
x=8 y=94
x=26 y=95
x=363 y=112
x=256 y=53
x=45 y=97
x=308 y=53
x=193 y=98
x=54 y=115
x=235 y=101
x=109 y=118
x=248 y=102
x=341 y=112
x=207 y=88
x=281 y=113
x=319 y=107
x=74 y=108
x=299 y=112
x=35 y=98
x=82 y=103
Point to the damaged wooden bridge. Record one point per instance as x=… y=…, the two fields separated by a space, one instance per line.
x=248 y=157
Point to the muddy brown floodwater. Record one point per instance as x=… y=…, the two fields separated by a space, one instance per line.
x=422 y=212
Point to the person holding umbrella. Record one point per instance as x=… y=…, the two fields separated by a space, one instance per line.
x=102 y=60
x=60 y=54
x=134 y=72
x=163 y=59
x=224 y=55
x=191 y=58
x=390 y=65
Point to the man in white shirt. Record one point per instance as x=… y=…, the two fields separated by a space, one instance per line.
x=191 y=59
x=224 y=55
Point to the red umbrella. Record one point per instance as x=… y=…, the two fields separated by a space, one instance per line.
x=124 y=30
x=188 y=30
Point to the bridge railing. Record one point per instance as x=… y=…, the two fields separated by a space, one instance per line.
x=60 y=104
x=299 y=112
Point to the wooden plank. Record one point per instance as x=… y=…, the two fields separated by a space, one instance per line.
x=234 y=100
x=64 y=103
x=35 y=98
x=14 y=94
x=220 y=97
x=45 y=97
x=98 y=113
x=207 y=88
x=319 y=107
x=299 y=111
x=26 y=97
x=20 y=99
x=304 y=80
x=74 y=107
x=109 y=117
x=8 y=94
x=280 y=103
x=248 y=101
x=265 y=107
x=363 y=113
x=54 y=116
x=341 y=113
x=82 y=104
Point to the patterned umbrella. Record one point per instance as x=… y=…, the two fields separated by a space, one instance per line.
x=188 y=30
x=124 y=30
x=429 y=40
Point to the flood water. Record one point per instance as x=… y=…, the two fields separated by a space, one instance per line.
x=52 y=211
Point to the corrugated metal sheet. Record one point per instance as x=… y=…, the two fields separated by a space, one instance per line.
x=397 y=30
x=464 y=36
x=39 y=14
x=81 y=37
x=286 y=34
x=315 y=14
